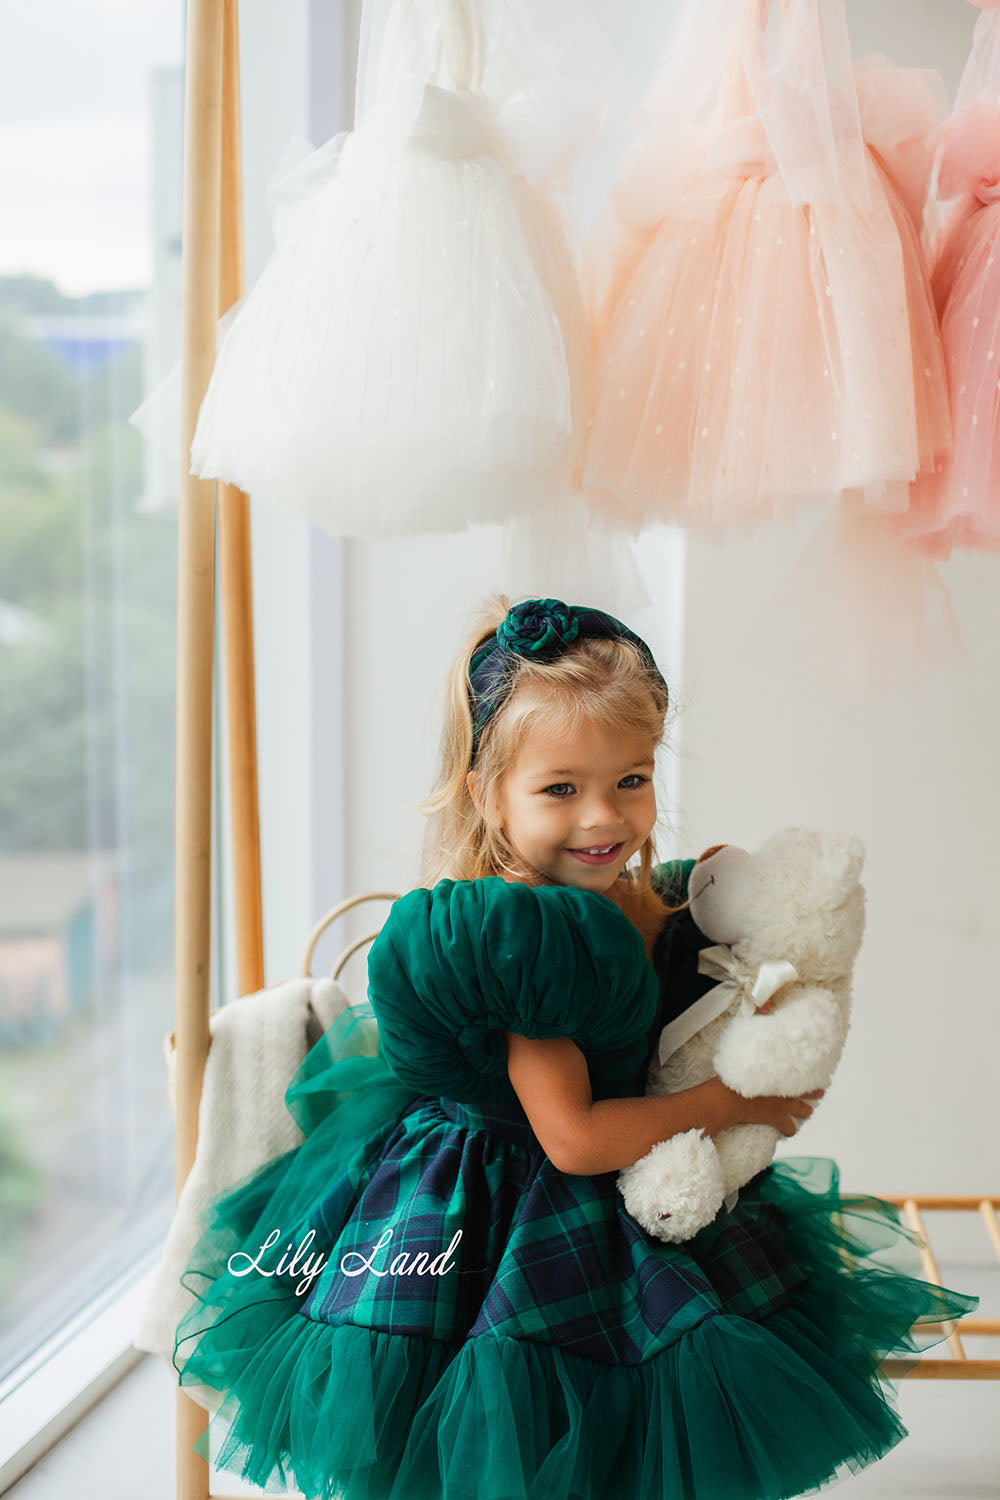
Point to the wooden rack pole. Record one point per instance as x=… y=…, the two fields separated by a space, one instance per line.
x=235 y=578
x=195 y=629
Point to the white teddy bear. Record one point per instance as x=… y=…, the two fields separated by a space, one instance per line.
x=787 y=923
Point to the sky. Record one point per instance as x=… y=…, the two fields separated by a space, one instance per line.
x=74 y=137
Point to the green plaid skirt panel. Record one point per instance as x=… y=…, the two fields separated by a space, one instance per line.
x=488 y=1238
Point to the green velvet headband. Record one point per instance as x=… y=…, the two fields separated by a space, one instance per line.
x=540 y=629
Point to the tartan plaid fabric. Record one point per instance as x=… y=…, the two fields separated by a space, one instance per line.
x=498 y=1241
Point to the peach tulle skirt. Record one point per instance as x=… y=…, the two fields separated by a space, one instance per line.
x=755 y=352
x=959 y=504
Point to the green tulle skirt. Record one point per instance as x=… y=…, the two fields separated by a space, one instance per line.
x=736 y=1408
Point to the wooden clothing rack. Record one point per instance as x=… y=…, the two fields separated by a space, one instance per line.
x=212 y=280
x=956 y=1366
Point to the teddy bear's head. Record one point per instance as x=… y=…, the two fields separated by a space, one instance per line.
x=797 y=897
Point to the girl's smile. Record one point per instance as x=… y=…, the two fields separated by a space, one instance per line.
x=597 y=857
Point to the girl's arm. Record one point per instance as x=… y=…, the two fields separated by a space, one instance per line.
x=583 y=1137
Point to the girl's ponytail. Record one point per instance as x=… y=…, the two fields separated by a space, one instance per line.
x=449 y=838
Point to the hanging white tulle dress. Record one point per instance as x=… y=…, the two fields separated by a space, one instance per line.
x=413 y=356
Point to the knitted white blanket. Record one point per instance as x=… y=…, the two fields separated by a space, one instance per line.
x=257 y=1043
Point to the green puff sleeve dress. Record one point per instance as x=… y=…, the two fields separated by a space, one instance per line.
x=441 y=1314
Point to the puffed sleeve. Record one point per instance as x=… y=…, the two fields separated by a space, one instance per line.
x=455 y=966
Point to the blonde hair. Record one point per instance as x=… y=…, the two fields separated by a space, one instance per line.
x=601 y=680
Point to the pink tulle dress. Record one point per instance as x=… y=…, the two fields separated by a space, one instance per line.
x=959 y=504
x=761 y=317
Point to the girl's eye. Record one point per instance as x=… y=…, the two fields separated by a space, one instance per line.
x=634 y=776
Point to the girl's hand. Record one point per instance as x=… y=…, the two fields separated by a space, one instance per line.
x=767 y=1109
x=773 y=1109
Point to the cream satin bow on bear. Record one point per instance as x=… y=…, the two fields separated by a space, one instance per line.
x=787 y=923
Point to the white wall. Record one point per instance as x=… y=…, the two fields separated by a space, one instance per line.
x=913 y=1107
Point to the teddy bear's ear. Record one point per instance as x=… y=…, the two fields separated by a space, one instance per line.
x=709 y=852
x=851 y=856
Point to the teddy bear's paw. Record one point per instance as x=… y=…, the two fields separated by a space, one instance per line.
x=792 y=1049
x=676 y=1188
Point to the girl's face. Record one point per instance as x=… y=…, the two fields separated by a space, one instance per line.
x=589 y=790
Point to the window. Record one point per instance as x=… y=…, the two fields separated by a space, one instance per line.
x=91 y=144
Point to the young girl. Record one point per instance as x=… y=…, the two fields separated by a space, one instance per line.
x=439 y=1294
